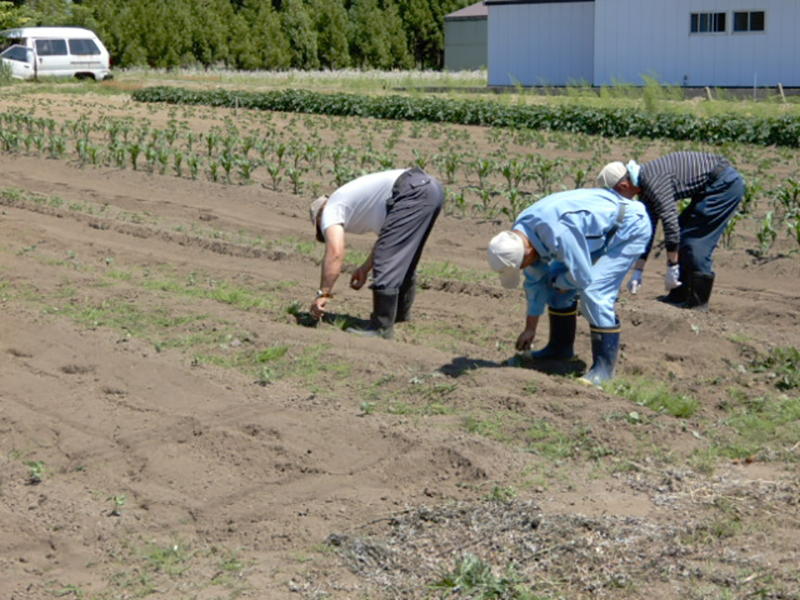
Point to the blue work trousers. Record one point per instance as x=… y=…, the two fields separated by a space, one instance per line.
x=703 y=222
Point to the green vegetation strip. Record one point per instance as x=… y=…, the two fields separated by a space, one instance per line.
x=608 y=122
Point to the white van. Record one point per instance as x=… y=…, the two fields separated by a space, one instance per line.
x=34 y=52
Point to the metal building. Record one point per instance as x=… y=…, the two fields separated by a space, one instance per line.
x=680 y=42
x=465 y=38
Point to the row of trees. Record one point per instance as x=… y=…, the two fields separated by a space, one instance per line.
x=254 y=34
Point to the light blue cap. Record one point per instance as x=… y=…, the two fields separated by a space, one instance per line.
x=634 y=168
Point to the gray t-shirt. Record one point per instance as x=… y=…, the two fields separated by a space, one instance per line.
x=360 y=205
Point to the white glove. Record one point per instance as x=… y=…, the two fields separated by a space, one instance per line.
x=635 y=282
x=671 y=281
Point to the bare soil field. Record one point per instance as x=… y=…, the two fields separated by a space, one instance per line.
x=171 y=427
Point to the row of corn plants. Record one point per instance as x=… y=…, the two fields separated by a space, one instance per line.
x=296 y=159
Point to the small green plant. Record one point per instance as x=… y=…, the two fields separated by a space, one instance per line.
x=793 y=226
x=118 y=502
x=367 y=408
x=787 y=196
x=36 y=473
x=654 y=395
x=783 y=363
x=727 y=235
x=6 y=78
x=473 y=578
x=503 y=495
x=766 y=235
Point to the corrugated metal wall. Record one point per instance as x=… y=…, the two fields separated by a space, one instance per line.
x=635 y=37
x=541 y=44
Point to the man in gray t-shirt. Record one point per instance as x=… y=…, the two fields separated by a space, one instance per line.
x=400 y=206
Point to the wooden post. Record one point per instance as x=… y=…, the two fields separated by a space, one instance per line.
x=708 y=93
x=780 y=91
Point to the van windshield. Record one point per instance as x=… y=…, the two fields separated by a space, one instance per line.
x=17 y=53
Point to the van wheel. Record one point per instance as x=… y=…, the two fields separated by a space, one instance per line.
x=82 y=76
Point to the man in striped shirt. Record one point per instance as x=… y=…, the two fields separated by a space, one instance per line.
x=715 y=189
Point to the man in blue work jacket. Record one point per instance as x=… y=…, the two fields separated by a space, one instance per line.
x=573 y=244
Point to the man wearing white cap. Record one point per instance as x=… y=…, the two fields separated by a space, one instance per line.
x=715 y=188
x=573 y=244
x=401 y=206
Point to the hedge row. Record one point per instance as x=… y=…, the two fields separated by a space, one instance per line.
x=608 y=122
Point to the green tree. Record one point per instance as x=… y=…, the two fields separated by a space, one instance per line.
x=299 y=28
x=52 y=13
x=211 y=34
x=269 y=44
x=423 y=21
x=369 y=44
x=331 y=24
x=397 y=37
x=11 y=16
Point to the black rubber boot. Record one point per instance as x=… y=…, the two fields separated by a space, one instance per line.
x=384 y=311
x=699 y=291
x=408 y=292
x=677 y=296
x=605 y=352
x=563 y=322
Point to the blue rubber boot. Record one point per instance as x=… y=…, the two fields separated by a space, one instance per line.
x=563 y=322
x=605 y=352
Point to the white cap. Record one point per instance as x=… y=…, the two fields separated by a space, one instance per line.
x=612 y=174
x=315 y=207
x=506 y=252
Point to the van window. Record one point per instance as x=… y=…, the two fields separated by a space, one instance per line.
x=7 y=42
x=51 y=47
x=83 y=47
x=17 y=53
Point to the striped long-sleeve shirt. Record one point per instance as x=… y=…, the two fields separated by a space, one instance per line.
x=667 y=180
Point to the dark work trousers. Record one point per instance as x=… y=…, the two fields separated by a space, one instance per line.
x=703 y=222
x=416 y=201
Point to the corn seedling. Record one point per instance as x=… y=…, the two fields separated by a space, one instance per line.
x=727 y=235
x=296 y=177
x=246 y=167
x=274 y=169
x=766 y=234
x=787 y=197
x=793 y=227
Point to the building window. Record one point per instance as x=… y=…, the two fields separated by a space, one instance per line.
x=708 y=22
x=748 y=21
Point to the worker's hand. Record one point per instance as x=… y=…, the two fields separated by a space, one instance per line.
x=672 y=279
x=318 y=307
x=359 y=277
x=525 y=339
x=635 y=282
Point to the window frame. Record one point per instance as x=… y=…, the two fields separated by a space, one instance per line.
x=7 y=54
x=74 y=42
x=55 y=44
x=749 y=14
x=717 y=23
